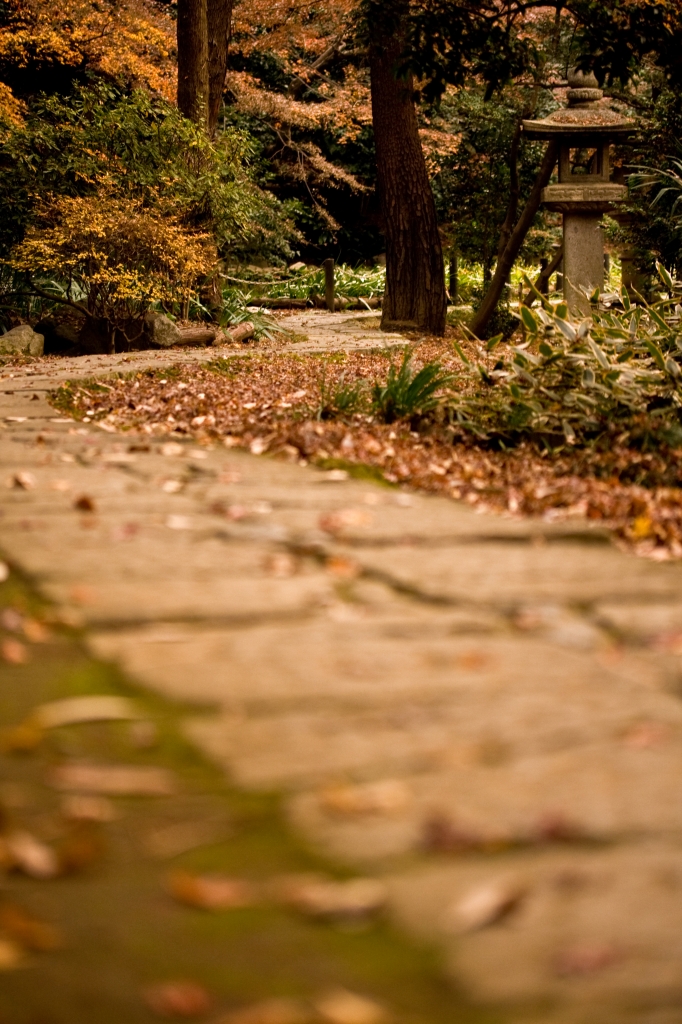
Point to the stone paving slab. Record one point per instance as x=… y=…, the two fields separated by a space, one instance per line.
x=618 y=906
x=383 y=658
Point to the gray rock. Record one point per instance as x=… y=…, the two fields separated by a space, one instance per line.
x=21 y=340
x=160 y=331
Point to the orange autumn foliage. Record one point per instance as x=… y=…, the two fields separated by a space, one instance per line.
x=130 y=40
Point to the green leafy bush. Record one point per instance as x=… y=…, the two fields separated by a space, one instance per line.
x=618 y=374
x=345 y=399
x=101 y=139
x=408 y=392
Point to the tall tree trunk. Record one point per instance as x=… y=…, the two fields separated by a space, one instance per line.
x=219 y=23
x=506 y=260
x=415 y=278
x=193 y=60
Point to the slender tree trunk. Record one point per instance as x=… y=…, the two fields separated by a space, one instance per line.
x=415 y=277
x=193 y=60
x=516 y=239
x=454 y=276
x=219 y=24
x=514 y=192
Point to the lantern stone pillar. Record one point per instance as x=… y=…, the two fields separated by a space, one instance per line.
x=584 y=130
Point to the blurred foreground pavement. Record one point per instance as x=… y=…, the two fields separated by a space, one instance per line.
x=482 y=713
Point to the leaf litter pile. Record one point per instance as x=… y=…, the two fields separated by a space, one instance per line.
x=432 y=417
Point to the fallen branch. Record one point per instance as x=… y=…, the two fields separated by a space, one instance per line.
x=240 y=332
x=280 y=303
x=197 y=336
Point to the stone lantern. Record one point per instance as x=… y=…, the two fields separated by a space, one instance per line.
x=584 y=131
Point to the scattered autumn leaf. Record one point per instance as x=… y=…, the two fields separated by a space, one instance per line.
x=485 y=905
x=113 y=779
x=352 y=899
x=178 y=999
x=585 y=959
x=270 y=1011
x=82 y=847
x=76 y=710
x=385 y=796
x=11 y=955
x=211 y=892
x=23 y=481
x=14 y=652
x=31 y=856
x=29 y=931
x=85 y=504
x=340 y=1006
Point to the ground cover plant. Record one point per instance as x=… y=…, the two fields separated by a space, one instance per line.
x=579 y=420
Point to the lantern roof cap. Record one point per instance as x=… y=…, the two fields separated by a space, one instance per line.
x=586 y=116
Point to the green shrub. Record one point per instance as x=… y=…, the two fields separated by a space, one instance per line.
x=102 y=140
x=344 y=399
x=408 y=392
x=618 y=374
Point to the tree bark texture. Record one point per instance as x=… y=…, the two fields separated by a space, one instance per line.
x=415 y=279
x=193 y=60
x=219 y=26
x=506 y=260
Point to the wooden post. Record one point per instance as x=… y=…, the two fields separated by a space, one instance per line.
x=329 y=284
x=454 y=277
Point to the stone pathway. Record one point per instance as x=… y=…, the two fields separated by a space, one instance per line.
x=483 y=711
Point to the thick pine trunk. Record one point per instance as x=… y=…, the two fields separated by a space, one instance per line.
x=219 y=21
x=415 y=280
x=193 y=60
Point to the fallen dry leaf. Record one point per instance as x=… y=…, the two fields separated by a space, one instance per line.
x=23 y=481
x=181 y=836
x=211 y=892
x=11 y=955
x=88 y=808
x=30 y=856
x=113 y=780
x=175 y=522
x=76 y=710
x=270 y=1011
x=171 y=449
x=27 y=930
x=11 y=620
x=21 y=739
x=85 y=504
x=36 y=631
x=385 y=796
x=82 y=847
x=353 y=899
x=178 y=999
x=342 y=567
x=484 y=905
x=14 y=652
x=343 y=519
x=646 y=734
x=441 y=835
x=281 y=564
x=585 y=959
x=339 y=1006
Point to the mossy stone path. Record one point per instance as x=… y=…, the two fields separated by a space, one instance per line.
x=484 y=712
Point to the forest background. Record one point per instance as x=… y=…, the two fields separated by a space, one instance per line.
x=285 y=116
